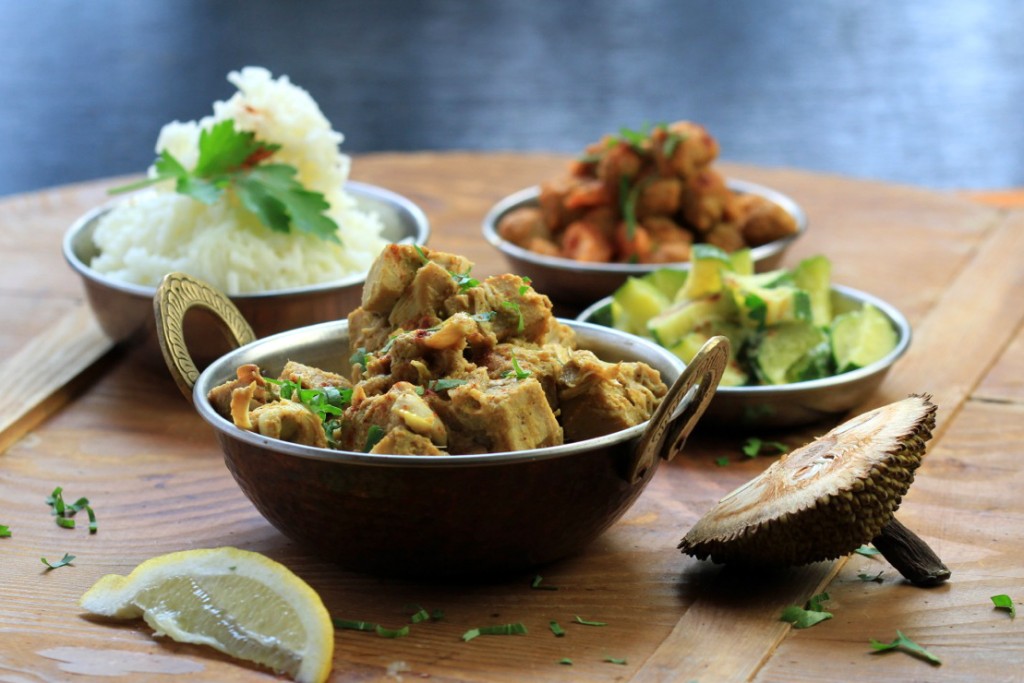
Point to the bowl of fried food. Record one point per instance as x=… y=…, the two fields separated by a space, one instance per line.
x=449 y=427
x=632 y=203
x=802 y=349
x=255 y=200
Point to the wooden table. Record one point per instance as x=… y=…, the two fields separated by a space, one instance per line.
x=119 y=434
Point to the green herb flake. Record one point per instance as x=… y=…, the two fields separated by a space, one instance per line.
x=419 y=616
x=537 y=584
x=62 y=562
x=587 y=622
x=360 y=357
x=866 y=578
x=1004 y=602
x=232 y=159
x=556 y=628
x=423 y=256
x=514 y=306
x=499 y=630
x=64 y=512
x=616 y=660
x=5 y=531
x=908 y=646
x=485 y=317
x=809 y=615
x=754 y=447
x=354 y=625
x=721 y=462
x=464 y=281
x=517 y=371
x=373 y=436
x=867 y=551
x=565 y=661
x=437 y=615
x=391 y=632
x=445 y=384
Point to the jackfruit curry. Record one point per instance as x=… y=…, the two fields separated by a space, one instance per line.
x=644 y=197
x=445 y=364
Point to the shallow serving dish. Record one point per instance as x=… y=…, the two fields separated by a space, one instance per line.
x=125 y=310
x=577 y=282
x=463 y=515
x=789 y=405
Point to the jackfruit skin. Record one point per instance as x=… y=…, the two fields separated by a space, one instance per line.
x=830 y=526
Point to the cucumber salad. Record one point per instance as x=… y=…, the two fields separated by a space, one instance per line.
x=784 y=326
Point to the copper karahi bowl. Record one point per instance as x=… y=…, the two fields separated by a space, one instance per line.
x=125 y=310
x=437 y=516
x=580 y=283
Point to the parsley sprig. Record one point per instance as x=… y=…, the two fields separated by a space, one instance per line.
x=907 y=645
x=233 y=159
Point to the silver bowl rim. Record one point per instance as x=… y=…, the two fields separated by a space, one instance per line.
x=782 y=390
x=530 y=194
x=283 y=340
x=354 y=188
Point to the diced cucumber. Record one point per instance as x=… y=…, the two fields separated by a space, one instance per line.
x=782 y=352
x=763 y=307
x=667 y=280
x=814 y=275
x=861 y=337
x=742 y=262
x=636 y=302
x=687 y=347
x=705 y=278
x=673 y=323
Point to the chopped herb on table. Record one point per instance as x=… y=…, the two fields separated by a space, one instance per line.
x=721 y=462
x=907 y=645
x=64 y=513
x=809 y=615
x=5 y=531
x=499 y=630
x=1004 y=602
x=587 y=622
x=233 y=159
x=616 y=660
x=556 y=628
x=62 y=562
x=877 y=578
x=537 y=584
x=867 y=551
x=755 y=447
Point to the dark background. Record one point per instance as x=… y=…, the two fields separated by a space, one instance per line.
x=923 y=93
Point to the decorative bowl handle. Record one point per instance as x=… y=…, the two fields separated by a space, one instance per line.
x=681 y=408
x=177 y=294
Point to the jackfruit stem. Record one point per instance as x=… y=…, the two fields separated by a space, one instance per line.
x=910 y=555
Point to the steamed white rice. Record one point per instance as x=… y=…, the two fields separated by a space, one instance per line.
x=157 y=231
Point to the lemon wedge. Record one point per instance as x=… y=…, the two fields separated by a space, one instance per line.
x=236 y=601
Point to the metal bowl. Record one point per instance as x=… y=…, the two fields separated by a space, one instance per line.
x=577 y=282
x=799 y=403
x=439 y=516
x=125 y=310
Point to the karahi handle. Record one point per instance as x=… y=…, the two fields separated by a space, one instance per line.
x=682 y=407
x=177 y=294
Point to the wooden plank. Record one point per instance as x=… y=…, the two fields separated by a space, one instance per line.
x=37 y=373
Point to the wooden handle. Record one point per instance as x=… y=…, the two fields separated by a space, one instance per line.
x=177 y=294
x=679 y=411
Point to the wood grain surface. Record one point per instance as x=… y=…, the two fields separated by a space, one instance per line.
x=120 y=434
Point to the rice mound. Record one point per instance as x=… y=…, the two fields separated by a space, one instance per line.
x=156 y=231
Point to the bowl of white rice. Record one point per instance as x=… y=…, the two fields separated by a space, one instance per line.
x=279 y=280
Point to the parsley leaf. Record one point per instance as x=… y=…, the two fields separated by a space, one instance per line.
x=62 y=562
x=5 y=531
x=907 y=645
x=1004 y=602
x=517 y=371
x=230 y=158
x=755 y=446
x=805 y=617
x=439 y=385
x=373 y=436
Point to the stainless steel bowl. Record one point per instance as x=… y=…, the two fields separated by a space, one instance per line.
x=460 y=515
x=576 y=282
x=125 y=310
x=799 y=403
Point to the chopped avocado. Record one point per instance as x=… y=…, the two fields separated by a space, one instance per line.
x=861 y=337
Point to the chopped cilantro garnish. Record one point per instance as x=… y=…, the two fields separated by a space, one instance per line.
x=230 y=158
x=757 y=309
x=514 y=305
x=517 y=371
x=322 y=402
x=616 y=660
x=423 y=256
x=811 y=614
x=464 y=281
x=556 y=628
x=525 y=287
x=565 y=661
x=1004 y=602
x=62 y=562
x=500 y=630
x=907 y=645
x=537 y=585
x=445 y=384
x=373 y=436
x=586 y=622
x=668 y=148
x=65 y=512
x=5 y=531
x=391 y=632
x=360 y=357
x=721 y=462
x=353 y=625
x=867 y=551
x=870 y=577
x=754 y=447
